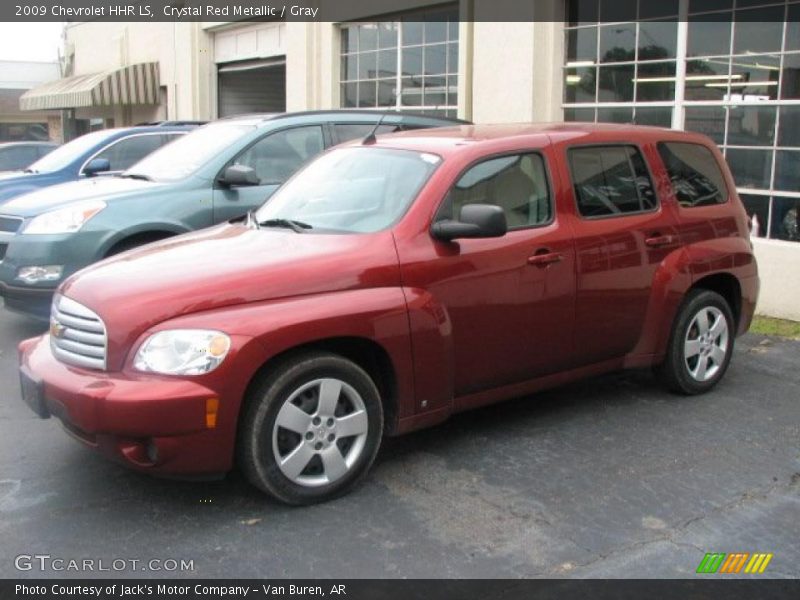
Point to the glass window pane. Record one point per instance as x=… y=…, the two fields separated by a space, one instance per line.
x=582 y=11
x=787 y=170
x=387 y=35
x=411 y=93
x=707 y=79
x=349 y=95
x=656 y=116
x=617 y=10
x=755 y=77
x=655 y=82
x=610 y=180
x=695 y=174
x=618 y=42
x=585 y=115
x=452 y=90
x=412 y=61
x=580 y=84
x=436 y=59
x=757 y=208
x=412 y=32
x=786 y=219
x=435 y=31
x=751 y=125
x=367 y=37
x=349 y=67
x=704 y=5
x=709 y=35
x=349 y=39
x=387 y=95
x=758 y=30
x=789 y=131
x=708 y=120
x=793 y=28
x=657 y=40
x=751 y=168
x=452 y=58
x=452 y=29
x=616 y=83
x=366 y=93
x=615 y=115
x=582 y=44
x=367 y=65
x=435 y=91
x=663 y=8
x=790 y=83
x=387 y=63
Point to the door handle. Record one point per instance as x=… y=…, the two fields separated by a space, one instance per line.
x=543 y=259
x=657 y=241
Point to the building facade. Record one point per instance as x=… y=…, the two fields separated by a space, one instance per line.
x=727 y=68
x=16 y=78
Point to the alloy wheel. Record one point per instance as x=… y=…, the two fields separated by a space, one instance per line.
x=706 y=344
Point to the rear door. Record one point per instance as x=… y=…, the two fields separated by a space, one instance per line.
x=622 y=233
x=274 y=157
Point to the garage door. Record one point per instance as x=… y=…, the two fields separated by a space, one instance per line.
x=251 y=87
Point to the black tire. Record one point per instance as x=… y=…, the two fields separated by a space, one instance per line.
x=257 y=427
x=675 y=371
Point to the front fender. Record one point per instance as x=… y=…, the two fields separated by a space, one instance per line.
x=274 y=327
x=115 y=236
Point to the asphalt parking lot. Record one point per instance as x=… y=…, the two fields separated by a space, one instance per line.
x=612 y=477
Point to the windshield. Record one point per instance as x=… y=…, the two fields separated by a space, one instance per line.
x=184 y=156
x=354 y=189
x=64 y=155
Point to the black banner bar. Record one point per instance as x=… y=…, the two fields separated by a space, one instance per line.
x=406 y=589
x=581 y=11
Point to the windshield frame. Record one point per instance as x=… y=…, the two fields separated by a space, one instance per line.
x=413 y=196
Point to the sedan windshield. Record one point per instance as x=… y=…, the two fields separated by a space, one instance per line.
x=64 y=155
x=179 y=159
x=355 y=189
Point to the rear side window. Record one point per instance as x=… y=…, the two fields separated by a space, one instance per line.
x=611 y=181
x=351 y=131
x=695 y=174
x=517 y=183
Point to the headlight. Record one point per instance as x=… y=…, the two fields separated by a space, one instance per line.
x=64 y=220
x=182 y=352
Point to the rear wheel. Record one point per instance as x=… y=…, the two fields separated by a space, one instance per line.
x=701 y=343
x=311 y=429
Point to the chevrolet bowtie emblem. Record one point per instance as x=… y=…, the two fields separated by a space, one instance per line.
x=56 y=329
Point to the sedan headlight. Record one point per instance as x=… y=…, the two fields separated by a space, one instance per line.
x=182 y=352
x=64 y=220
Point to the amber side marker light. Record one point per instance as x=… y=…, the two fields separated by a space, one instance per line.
x=212 y=406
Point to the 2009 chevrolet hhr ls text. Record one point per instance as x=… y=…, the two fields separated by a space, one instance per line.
x=392 y=283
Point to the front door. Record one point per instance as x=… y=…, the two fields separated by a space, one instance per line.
x=509 y=300
x=275 y=157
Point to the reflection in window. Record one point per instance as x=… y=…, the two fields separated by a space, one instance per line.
x=708 y=120
x=695 y=175
x=610 y=180
x=751 y=168
x=751 y=125
x=757 y=208
x=787 y=170
x=786 y=219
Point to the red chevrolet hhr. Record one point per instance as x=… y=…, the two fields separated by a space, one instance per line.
x=392 y=283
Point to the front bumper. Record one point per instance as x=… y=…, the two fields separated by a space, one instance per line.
x=150 y=423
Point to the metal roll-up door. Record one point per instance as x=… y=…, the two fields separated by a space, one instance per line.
x=251 y=87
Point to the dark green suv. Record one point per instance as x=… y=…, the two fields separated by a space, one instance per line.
x=216 y=173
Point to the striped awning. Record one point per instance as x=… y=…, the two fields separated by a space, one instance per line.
x=135 y=84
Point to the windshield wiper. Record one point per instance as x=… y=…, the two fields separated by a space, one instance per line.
x=296 y=226
x=30 y=171
x=135 y=176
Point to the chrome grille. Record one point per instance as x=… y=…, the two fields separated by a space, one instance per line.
x=77 y=335
x=10 y=224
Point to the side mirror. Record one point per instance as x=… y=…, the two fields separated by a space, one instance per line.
x=239 y=175
x=475 y=221
x=97 y=165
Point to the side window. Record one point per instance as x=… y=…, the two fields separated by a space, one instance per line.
x=611 y=180
x=351 y=131
x=278 y=155
x=125 y=153
x=695 y=174
x=517 y=183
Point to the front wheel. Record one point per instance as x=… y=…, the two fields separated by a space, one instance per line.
x=311 y=429
x=701 y=344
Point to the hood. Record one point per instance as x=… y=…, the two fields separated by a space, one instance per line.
x=223 y=266
x=14 y=183
x=56 y=196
